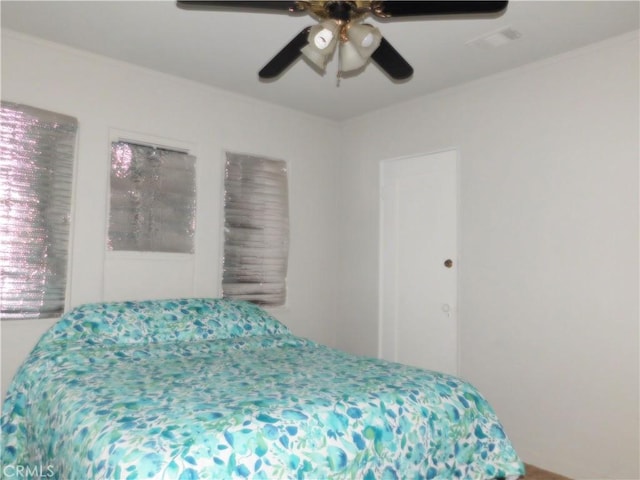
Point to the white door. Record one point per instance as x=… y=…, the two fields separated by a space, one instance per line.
x=418 y=264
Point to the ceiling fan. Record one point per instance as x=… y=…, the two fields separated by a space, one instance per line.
x=340 y=23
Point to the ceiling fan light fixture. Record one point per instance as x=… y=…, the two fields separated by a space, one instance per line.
x=365 y=38
x=350 y=58
x=314 y=56
x=322 y=41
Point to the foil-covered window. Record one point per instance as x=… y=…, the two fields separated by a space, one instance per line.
x=256 y=229
x=36 y=169
x=153 y=199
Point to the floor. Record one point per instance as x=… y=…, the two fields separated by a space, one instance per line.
x=535 y=473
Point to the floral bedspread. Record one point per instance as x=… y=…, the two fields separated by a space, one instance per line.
x=215 y=389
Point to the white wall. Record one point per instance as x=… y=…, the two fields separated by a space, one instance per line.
x=549 y=247
x=106 y=96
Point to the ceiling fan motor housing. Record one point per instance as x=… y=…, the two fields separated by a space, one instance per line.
x=340 y=11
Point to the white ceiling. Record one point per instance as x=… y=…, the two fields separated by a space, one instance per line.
x=227 y=49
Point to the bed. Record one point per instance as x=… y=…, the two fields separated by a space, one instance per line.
x=215 y=388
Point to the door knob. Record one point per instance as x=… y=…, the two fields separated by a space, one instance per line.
x=448 y=263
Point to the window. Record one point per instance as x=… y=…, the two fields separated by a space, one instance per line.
x=36 y=167
x=256 y=229
x=153 y=199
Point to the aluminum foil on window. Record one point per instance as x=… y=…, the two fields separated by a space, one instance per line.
x=36 y=167
x=256 y=229
x=153 y=199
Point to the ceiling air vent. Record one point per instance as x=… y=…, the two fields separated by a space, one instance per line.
x=495 y=39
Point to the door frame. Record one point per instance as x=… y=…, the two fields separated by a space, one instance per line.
x=458 y=250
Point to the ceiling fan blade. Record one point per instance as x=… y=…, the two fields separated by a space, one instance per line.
x=391 y=61
x=283 y=6
x=286 y=56
x=416 y=8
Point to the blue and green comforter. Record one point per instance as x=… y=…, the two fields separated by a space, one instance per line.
x=214 y=389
